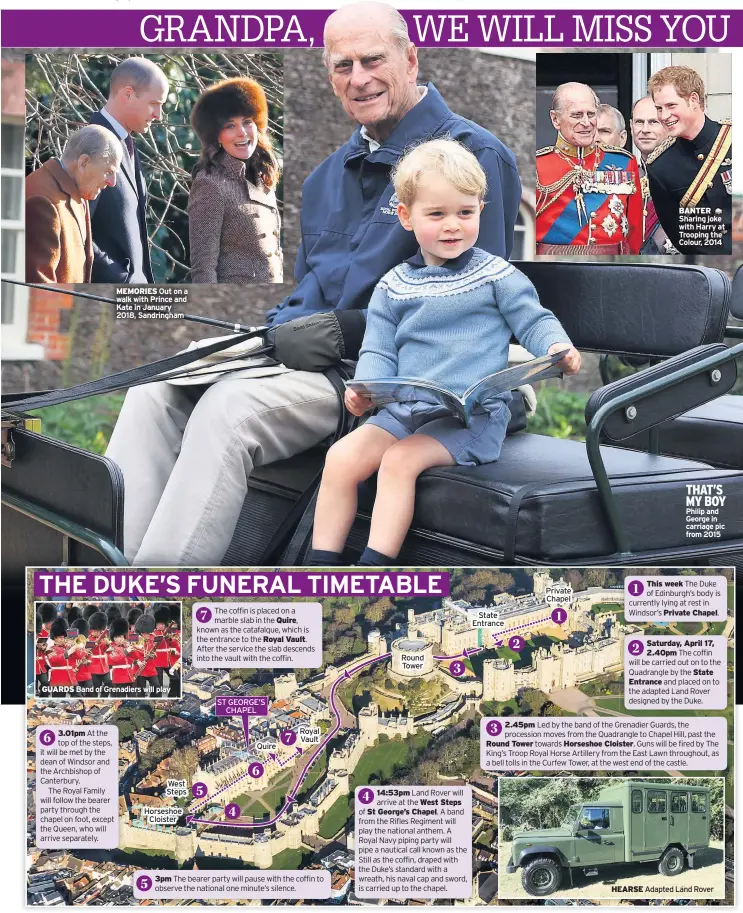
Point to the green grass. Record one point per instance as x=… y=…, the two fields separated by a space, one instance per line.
x=287 y=859
x=496 y=708
x=335 y=817
x=690 y=628
x=384 y=758
x=85 y=423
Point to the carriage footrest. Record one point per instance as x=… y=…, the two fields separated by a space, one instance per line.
x=590 y=872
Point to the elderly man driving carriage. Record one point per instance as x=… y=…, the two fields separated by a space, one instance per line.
x=185 y=463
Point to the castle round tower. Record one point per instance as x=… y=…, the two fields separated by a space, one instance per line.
x=498 y=680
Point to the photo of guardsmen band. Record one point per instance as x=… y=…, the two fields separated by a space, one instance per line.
x=594 y=197
x=114 y=649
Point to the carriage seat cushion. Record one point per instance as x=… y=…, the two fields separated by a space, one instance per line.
x=540 y=501
x=712 y=433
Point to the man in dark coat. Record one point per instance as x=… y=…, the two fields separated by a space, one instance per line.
x=137 y=93
x=690 y=174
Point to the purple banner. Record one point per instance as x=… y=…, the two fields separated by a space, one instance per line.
x=156 y=29
x=241 y=706
x=145 y=584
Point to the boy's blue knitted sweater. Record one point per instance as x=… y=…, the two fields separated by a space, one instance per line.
x=451 y=324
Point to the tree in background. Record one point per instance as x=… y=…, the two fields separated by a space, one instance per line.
x=63 y=90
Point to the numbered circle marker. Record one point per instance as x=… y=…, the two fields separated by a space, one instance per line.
x=144 y=883
x=232 y=811
x=199 y=790
x=494 y=728
x=559 y=616
x=256 y=770
x=636 y=648
x=366 y=795
x=47 y=737
x=517 y=643
x=635 y=587
x=203 y=614
x=457 y=668
x=288 y=737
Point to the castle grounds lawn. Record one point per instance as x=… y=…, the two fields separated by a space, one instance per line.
x=690 y=628
x=335 y=817
x=274 y=798
x=287 y=859
x=383 y=759
x=496 y=708
x=611 y=703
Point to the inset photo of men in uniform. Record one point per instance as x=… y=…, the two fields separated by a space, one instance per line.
x=632 y=160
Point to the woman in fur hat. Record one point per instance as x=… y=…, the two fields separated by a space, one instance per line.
x=233 y=216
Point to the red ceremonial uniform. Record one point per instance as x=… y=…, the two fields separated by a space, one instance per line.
x=80 y=659
x=147 y=656
x=588 y=199
x=41 y=645
x=98 y=659
x=119 y=663
x=162 y=650
x=175 y=647
x=61 y=669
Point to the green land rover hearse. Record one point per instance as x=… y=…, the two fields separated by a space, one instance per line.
x=632 y=822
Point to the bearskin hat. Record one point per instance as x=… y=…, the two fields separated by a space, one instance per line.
x=73 y=613
x=48 y=612
x=89 y=611
x=39 y=622
x=81 y=626
x=239 y=97
x=118 y=628
x=162 y=614
x=58 y=629
x=145 y=624
x=175 y=613
x=113 y=612
x=98 y=621
x=133 y=615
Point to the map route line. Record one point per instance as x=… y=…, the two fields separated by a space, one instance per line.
x=289 y=801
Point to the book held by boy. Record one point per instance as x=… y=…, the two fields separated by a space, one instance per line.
x=386 y=390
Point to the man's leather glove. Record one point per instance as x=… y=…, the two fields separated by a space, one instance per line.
x=314 y=343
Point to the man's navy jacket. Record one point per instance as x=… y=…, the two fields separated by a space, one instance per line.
x=351 y=235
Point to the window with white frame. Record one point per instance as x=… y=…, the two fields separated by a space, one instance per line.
x=523 y=234
x=13 y=298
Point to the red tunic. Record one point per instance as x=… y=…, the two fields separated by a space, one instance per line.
x=61 y=668
x=175 y=647
x=98 y=660
x=589 y=198
x=81 y=660
x=122 y=671
x=162 y=650
x=41 y=644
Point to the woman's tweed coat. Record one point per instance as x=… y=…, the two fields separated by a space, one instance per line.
x=234 y=227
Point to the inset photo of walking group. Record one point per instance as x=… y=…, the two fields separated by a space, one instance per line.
x=156 y=169
x=106 y=650
x=634 y=154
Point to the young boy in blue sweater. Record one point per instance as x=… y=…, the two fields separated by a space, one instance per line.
x=446 y=316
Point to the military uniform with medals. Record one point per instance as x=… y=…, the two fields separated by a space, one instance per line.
x=695 y=174
x=589 y=200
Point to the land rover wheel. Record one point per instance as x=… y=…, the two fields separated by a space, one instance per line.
x=673 y=862
x=541 y=876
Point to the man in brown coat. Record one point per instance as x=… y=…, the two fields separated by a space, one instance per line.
x=59 y=243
